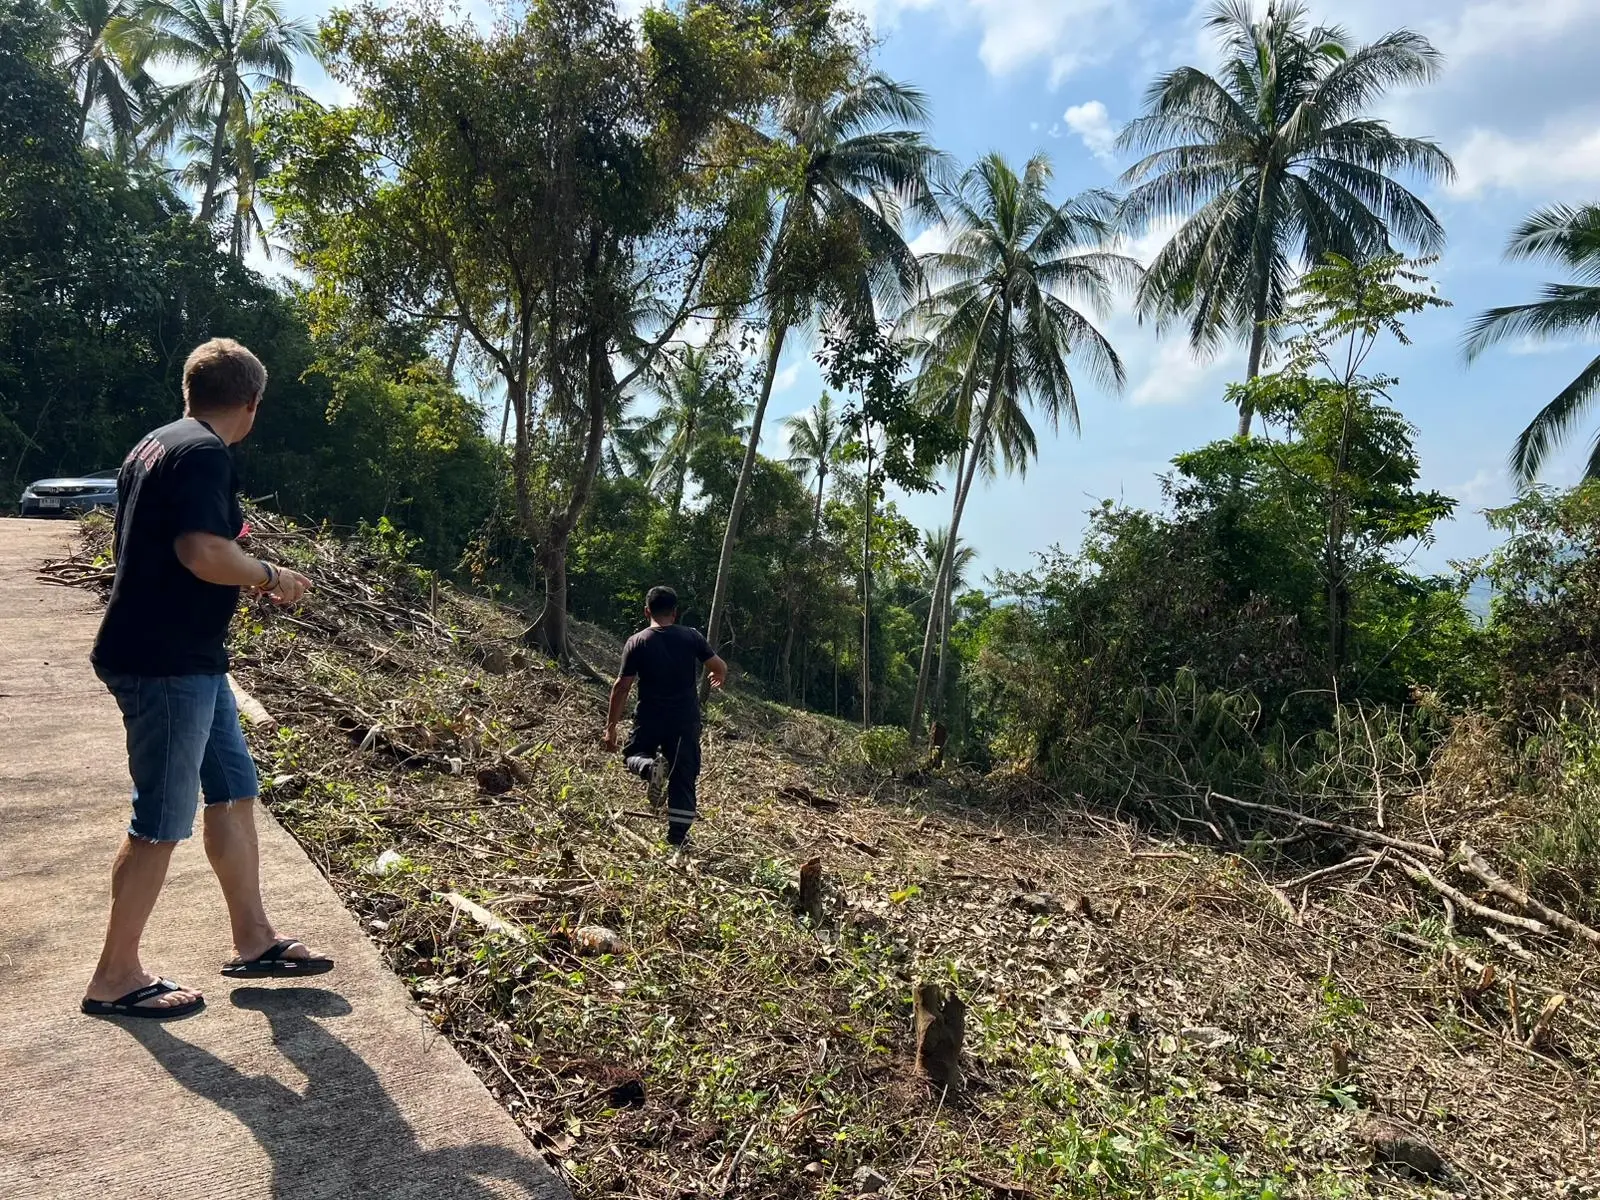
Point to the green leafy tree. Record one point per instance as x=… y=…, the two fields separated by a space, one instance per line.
x=1002 y=325
x=1273 y=163
x=232 y=50
x=518 y=185
x=1345 y=443
x=1569 y=237
x=815 y=442
x=829 y=236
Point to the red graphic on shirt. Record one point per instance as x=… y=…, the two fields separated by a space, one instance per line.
x=147 y=453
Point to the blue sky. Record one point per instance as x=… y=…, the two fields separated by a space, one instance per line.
x=1518 y=108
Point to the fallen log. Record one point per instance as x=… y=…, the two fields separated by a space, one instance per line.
x=1473 y=864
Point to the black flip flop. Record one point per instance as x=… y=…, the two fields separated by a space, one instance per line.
x=131 y=1005
x=272 y=963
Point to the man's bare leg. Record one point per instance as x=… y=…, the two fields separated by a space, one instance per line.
x=136 y=878
x=230 y=837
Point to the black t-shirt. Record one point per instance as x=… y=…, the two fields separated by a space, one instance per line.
x=162 y=619
x=666 y=660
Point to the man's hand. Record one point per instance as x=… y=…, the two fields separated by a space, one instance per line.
x=611 y=738
x=291 y=587
x=717 y=669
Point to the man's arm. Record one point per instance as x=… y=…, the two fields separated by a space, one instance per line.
x=717 y=669
x=619 y=697
x=221 y=560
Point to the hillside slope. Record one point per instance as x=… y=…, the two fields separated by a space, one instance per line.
x=1142 y=1019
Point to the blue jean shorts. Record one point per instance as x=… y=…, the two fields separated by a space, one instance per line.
x=184 y=740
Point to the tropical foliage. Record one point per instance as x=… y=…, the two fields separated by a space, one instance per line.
x=1271 y=164
x=1568 y=237
x=546 y=273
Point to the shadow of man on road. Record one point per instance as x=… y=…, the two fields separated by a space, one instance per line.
x=344 y=1136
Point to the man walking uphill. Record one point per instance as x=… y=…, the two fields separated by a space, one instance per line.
x=664 y=750
x=179 y=570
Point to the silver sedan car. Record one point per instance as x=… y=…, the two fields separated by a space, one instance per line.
x=69 y=494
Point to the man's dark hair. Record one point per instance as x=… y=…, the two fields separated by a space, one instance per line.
x=661 y=601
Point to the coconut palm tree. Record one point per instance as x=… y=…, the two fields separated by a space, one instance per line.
x=234 y=49
x=1000 y=329
x=831 y=237
x=816 y=438
x=697 y=405
x=1271 y=164
x=237 y=190
x=960 y=564
x=109 y=80
x=1569 y=237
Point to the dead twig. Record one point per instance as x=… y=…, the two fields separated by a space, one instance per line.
x=1350 y=831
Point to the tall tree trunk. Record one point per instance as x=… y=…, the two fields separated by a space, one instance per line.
x=521 y=455
x=866 y=592
x=550 y=630
x=1258 y=312
x=785 y=659
x=677 y=492
x=945 y=616
x=450 y=363
x=740 y=491
x=219 y=137
x=816 y=515
x=966 y=470
x=1258 y=346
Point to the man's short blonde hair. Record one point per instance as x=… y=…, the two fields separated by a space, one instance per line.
x=222 y=374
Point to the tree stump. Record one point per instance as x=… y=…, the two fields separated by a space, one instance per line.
x=941 y=1024
x=811 y=889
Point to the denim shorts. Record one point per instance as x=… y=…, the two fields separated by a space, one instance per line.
x=183 y=740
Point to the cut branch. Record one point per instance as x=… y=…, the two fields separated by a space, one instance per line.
x=1420 y=874
x=1473 y=864
x=1350 y=831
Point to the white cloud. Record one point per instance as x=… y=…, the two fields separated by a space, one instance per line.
x=1174 y=375
x=1148 y=244
x=1564 y=155
x=932 y=240
x=1063 y=35
x=1091 y=122
x=785 y=378
x=1488 y=486
x=1527 y=346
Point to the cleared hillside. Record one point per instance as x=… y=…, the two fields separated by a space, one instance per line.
x=1144 y=1018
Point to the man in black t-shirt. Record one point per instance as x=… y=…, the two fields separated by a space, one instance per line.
x=160 y=651
x=664 y=750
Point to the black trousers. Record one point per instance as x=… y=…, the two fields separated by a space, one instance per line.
x=680 y=744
